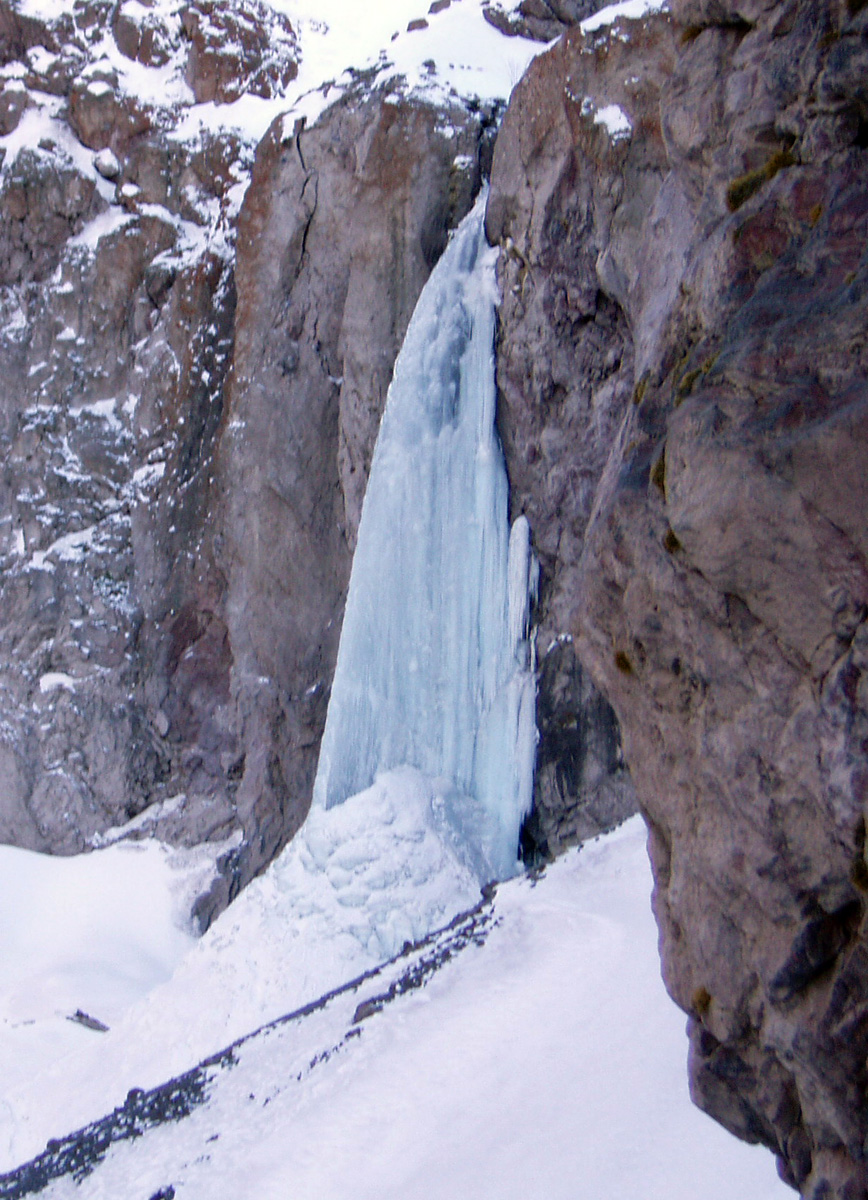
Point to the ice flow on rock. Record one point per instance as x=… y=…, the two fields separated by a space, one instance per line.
x=434 y=668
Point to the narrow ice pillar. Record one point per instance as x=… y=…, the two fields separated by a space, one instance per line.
x=434 y=668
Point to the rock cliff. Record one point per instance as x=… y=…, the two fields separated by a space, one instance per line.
x=189 y=406
x=116 y=285
x=682 y=204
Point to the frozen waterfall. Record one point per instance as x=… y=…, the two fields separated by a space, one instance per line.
x=434 y=669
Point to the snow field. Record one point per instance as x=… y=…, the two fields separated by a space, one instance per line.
x=546 y=1064
x=93 y=932
x=355 y=884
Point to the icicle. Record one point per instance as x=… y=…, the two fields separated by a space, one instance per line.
x=434 y=669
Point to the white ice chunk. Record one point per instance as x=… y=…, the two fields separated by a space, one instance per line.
x=107 y=164
x=107 y=222
x=103 y=409
x=149 y=474
x=69 y=548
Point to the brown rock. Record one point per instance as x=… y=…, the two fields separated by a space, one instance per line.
x=697 y=287
x=45 y=201
x=246 y=47
x=542 y=20
x=13 y=102
x=140 y=36
x=102 y=118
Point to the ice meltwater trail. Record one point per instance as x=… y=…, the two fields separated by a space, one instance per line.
x=434 y=668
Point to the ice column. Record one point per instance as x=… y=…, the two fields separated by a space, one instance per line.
x=434 y=668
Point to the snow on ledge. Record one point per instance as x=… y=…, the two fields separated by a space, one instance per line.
x=615 y=120
x=633 y=10
x=52 y=680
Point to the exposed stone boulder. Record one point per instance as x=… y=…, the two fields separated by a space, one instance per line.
x=692 y=265
x=142 y=35
x=102 y=118
x=20 y=32
x=542 y=20
x=13 y=102
x=44 y=201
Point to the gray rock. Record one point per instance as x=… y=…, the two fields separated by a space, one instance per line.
x=683 y=340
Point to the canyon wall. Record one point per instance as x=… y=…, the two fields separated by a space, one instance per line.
x=682 y=204
x=189 y=404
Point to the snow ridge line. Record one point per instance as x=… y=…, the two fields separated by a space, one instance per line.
x=81 y=1152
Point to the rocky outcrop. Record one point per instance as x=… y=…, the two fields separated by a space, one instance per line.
x=116 y=288
x=542 y=20
x=683 y=209
x=565 y=377
x=245 y=49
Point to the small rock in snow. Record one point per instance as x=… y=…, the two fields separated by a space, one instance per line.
x=89 y=1022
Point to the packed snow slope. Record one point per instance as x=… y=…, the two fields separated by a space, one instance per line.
x=541 y=1060
x=90 y=935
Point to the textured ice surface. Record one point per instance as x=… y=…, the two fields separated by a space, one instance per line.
x=433 y=669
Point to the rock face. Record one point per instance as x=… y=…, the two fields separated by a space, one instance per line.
x=185 y=455
x=117 y=294
x=683 y=209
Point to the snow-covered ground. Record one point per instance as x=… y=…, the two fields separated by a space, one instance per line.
x=440 y=56
x=455 y=53
x=93 y=934
x=546 y=1062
